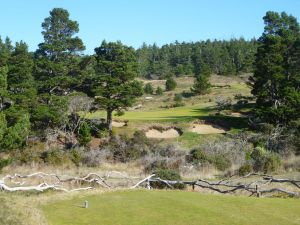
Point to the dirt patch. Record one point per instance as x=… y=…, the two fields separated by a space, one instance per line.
x=204 y=128
x=163 y=133
x=119 y=123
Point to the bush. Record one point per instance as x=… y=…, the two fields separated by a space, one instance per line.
x=178 y=100
x=76 y=156
x=170 y=84
x=265 y=161
x=148 y=89
x=4 y=163
x=167 y=174
x=223 y=103
x=258 y=156
x=125 y=149
x=272 y=163
x=221 y=162
x=94 y=158
x=164 y=164
x=197 y=156
x=159 y=91
x=245 y=169
x=84 y=134
x=28 y=155
x=55 y=157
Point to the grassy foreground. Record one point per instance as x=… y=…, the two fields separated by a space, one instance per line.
x=172 y=208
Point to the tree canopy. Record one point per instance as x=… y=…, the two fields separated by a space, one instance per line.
x=276 y=79
x=114 y=85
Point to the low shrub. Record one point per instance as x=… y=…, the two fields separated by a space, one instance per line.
x=94 y=158
x=245 y=169
x=167 y=174
x=198 y=156
x=221 y=162
x=76 y=156
x=28 y=155
x=272 y=163
x=263 y=161
x=56 y=157
x=164 y=164
x=4 y=163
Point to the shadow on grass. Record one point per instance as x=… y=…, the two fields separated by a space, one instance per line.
x=244 y=107
x=228 y=122
x=225 y=121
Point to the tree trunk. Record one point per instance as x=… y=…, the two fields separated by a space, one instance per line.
x=109 y=121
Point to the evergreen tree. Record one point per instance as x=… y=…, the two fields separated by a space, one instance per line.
x=84 y=134
x=5 y=51
x=148 y=89
x=20 y=81
x=57 y=57
x=57 y=68
x=170 y=84
x=114 y=84
x=15 y=136
x=276 y=83
x=3 y=126
x=159 y=91
x=201 y=72
x=3 y=85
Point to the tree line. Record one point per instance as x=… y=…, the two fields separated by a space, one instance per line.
x=232 y=57
x=36 y=88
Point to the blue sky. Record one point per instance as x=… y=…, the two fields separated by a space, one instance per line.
x=137 y=21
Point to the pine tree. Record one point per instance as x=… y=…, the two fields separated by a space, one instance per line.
x=148 y=89
x=170 y=84
x=84 y=134
x=202 y=74
x=275 y=81
x=114 y=84
x=3 y=85
x=57 y=57
x=20 y=81
x=159 y=91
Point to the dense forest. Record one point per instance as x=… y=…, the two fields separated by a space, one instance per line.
x=232 y=57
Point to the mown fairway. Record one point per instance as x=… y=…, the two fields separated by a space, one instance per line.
x=179 y=113
x=172 y=208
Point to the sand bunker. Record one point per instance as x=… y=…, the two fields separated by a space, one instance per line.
x=118 y=124
x=207 y=129
x=237 y=114
x=168 y=133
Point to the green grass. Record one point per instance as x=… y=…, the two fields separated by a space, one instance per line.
x=172 y=208
x=173 y=114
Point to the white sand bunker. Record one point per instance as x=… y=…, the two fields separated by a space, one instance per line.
x=118 y=124
x=168 y=133
x=237 y=114
x=207 y=129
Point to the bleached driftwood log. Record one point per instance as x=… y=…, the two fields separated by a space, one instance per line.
x=18 y=182
x=230 y=185
x=91 y=178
